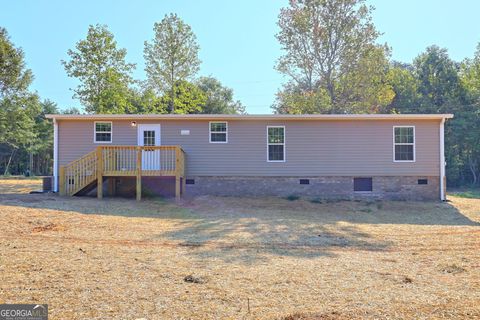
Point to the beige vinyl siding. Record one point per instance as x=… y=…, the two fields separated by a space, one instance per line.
x=313 y=148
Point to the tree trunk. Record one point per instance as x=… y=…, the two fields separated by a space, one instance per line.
x=31 y=164
x=9 y=161
x=172 y=100
x=473 y=168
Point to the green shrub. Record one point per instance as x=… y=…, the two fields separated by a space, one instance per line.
x=292 y=197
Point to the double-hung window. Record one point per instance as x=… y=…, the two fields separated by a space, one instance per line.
x=404 y=144
x=103 y=132
x=276 y=143
x=218 y=132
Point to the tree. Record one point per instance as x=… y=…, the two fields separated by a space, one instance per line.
x=405 y=86
x=436 y=84
x=438 y=81
x=293 y=99
x=470 y=76
x=171 y=56
x=103 y=73
x=330 y=48
x=219 y=98
x=17 y=105
x=469 y=121
x=366 y=88
x=72 y=110
x=188 y=98
x=14 y=76
x=41 y=149
x=145 y=100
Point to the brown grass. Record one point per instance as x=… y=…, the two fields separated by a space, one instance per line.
x=17 y=185
x=234 y=258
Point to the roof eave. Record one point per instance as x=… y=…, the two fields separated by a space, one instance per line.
x=250 y=117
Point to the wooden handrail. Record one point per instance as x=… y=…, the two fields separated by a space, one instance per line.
x=78 y=174
x=122 y=161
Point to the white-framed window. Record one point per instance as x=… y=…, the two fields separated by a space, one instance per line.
x=218 y=131
x=276 y=143
x=404 y=144
x=103 y=132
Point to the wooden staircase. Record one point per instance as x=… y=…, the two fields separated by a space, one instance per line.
x=78 y=174
x=82 y=175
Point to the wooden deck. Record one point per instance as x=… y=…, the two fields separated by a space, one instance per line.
x=123 y=161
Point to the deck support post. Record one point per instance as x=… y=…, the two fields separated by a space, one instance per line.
x=139 y=174
x=177 y=173
x=61 y=182
x=184 y=184
x=111 y=186
x=99 y=173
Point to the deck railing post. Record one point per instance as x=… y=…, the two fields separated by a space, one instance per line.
x=177 y=172
x=139 y=173
x=61 y=181
x=99 y=173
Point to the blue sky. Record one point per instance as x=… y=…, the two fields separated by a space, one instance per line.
x=237 y=39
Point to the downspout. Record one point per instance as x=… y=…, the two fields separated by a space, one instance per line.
x=55 y=155
x=442 y=160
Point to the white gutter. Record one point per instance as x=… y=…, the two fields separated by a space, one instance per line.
x=442 y=160
x=55 y=155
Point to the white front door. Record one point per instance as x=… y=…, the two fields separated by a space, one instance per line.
x=148 y=135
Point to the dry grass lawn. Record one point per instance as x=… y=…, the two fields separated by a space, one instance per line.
x=248 y=258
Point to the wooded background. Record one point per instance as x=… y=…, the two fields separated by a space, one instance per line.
x=331 y=58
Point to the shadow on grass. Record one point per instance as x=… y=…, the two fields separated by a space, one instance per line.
x=249 y=229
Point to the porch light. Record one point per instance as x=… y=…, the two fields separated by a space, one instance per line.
x=133 y=123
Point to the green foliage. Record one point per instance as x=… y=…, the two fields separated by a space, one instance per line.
x=334 y=66
x=14 y=77
x=219 y=98
x=331 y=58
x=292 y=197
x=171 y=56
x=102 y=71
x=470 y=194
x=17 y=120
x=438 y=81
x=294 y=100
x=72 y=110
x=188 y=98
x=405 y=88
x=366 y=88
x=436 y=84
x=17 y=106
x=147 y=102
x=470 y=76
x=206 y=95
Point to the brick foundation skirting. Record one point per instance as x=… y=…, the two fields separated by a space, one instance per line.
x=338 y=187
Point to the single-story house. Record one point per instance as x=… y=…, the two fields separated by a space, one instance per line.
x=386 y=156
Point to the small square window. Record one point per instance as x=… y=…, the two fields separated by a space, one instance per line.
x=304 y=181
x=422 y=181
x=362 y=184
x=189 y=181
x=149 y=138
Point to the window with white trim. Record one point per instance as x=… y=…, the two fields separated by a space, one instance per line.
x=404 y=144
x=218 y=132
x=103 y=132
x=276 y=143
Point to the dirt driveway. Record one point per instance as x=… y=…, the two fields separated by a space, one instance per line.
x=239 y=258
